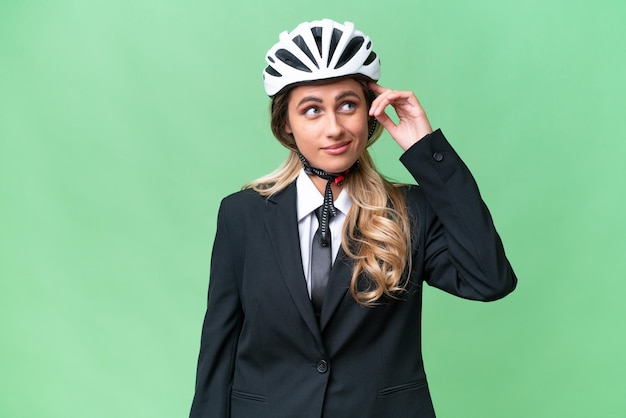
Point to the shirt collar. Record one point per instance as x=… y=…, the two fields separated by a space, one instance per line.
x=309 y=198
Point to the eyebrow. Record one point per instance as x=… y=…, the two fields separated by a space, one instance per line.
x=341 y=96
x=348 y=93
x=309 y=99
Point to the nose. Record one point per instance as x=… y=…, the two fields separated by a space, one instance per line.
x=334 y=127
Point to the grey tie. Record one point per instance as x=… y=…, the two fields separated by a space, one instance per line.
x=321 y=263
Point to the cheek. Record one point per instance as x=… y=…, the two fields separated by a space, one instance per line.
x=299 y=139
x=361 y=128
x=306 y=133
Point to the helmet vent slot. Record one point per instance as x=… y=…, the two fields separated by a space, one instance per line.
x=299 y=41
x=317 y=35
x=272 y=71
x=370 y=59
x=334 y=41
x=350 y=51
x=291 y=60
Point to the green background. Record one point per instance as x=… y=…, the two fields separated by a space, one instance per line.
x=123 y=124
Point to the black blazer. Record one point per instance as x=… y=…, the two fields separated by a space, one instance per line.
x=263 y=353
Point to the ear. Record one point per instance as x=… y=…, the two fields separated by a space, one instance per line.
x=288 y=128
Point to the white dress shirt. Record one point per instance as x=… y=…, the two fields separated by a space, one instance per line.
x=309 y=199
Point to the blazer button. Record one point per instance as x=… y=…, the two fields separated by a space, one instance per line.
x=438 y=157
x=322 y=366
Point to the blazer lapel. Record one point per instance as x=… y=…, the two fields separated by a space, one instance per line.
x=338 y=285
x=282 y=228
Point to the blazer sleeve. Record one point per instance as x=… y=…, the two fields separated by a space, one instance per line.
x=461 y=252
x=221 y=328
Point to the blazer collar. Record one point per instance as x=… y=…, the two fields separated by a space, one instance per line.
x=282 y=228
x=338 y=286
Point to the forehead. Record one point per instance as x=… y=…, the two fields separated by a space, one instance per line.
x=328 y=90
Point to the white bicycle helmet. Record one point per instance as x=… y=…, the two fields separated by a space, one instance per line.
x=319 y=50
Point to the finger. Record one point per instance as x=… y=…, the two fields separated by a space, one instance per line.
x=386 y=121
x=376 y=88
x=380 y=102
x=389 y=97
x=403 y=102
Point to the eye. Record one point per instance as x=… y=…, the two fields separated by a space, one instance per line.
x=347 y=106
x=311 y=111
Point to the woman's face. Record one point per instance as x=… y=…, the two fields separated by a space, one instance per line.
x=329 y=123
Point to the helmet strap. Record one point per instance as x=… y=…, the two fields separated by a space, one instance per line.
x=374 y=123
x=328 y=208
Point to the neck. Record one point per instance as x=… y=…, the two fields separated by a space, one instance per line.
x=320 y=185
x=322 y=180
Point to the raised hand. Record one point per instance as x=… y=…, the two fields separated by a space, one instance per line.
x=413 y=123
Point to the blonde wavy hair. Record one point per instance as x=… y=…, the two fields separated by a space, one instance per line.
x=376 y=230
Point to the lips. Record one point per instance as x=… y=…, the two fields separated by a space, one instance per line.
x=336 y=149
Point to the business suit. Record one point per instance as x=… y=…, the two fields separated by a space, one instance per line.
x=263 y=353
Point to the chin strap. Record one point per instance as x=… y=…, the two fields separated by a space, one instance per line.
x=328 y=209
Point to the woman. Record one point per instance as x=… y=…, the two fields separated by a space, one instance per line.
x=284 y=334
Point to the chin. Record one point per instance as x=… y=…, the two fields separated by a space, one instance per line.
x=339 y=167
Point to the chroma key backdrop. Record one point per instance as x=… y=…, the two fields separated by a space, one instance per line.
x=124 y=123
